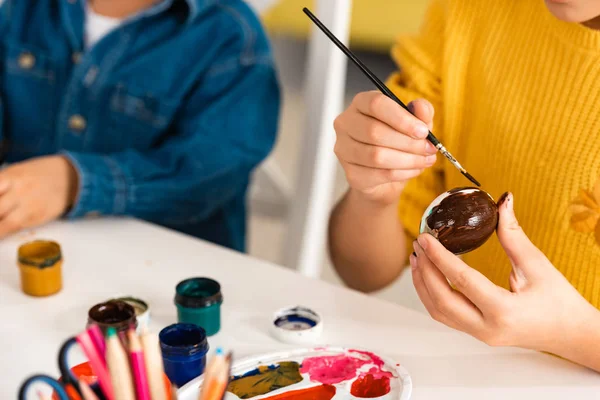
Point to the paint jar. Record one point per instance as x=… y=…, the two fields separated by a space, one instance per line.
x=198 y=301
x=40 y=263
x=142 y=310
x=184 y=348
x=114 y=313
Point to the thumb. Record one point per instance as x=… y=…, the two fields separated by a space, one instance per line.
x=521 y=252
x=423 y=110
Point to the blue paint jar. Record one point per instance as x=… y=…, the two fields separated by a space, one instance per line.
x=198 y=302
x=184 y=348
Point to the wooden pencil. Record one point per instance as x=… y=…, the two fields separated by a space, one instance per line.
x=154 y=366
x=118 y=366
x=216 y=377
x=42 y=396
x=86 y=391
x=138 y=366
x=173 y=392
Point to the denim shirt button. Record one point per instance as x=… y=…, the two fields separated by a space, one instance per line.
x=92 y=215
x=77 y=123
x=76 y=57
x=26 y=60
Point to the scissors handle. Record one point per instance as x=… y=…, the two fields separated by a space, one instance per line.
x=53 y=383
x=67 y=376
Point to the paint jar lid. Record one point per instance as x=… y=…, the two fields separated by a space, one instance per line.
x=198 y=293
x=39 y=253
x=141 y=308
x=297 y=325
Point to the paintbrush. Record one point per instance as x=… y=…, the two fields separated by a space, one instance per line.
x=216 y=377
x=386 y=91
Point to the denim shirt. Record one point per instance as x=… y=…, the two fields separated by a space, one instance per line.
x=164 y=118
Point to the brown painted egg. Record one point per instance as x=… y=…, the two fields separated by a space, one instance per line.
x=462 y=219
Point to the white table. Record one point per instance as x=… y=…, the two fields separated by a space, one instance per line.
x=108 y=257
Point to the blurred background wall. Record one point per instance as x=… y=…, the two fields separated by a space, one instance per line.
x=374 y=28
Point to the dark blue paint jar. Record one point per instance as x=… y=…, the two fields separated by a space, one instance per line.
x=184 y=348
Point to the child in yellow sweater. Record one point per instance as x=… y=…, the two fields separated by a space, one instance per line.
x=515 y=86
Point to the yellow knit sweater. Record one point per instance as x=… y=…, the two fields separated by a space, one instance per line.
x=517 y=99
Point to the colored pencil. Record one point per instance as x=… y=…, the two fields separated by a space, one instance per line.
x=216 y=377
x=96 y=335
x=118 y=367
x=86 y=391
x=97 y=363
x=154 y=366
x=173 y=392
x=138 y=366
x=42 y=396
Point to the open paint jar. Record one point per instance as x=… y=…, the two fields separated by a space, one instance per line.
x=141 y=308
x=198 y=302
x=184 y=348
x=40 y=263
x=114 y=313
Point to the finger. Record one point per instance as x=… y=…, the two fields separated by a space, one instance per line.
x=368 y=130
x=519 y=249
x=451 y=303
x=386 y=110
x=11 y=223
x=471 y=283
x=423 y=110
x=8 y=202
x=351 y=151
x=361 y=178
x=424 y=296
x=5 y=185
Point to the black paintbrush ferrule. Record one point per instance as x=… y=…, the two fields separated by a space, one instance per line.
x=376 y=81
x=433 y=140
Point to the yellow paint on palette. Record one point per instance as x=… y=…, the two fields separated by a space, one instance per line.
x=265 y=379
x=376 y=24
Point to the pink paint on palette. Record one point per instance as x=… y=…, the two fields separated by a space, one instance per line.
x=334 y=369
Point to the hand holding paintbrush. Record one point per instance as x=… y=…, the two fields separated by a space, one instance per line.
x=387 y=92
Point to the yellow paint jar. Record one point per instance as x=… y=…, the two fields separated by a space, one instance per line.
x=40 y=263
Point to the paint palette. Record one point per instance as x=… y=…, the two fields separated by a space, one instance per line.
x=327 y=373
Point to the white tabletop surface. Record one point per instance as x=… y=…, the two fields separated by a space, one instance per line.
x=110 y=257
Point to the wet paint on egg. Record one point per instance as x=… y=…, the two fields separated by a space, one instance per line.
x=462 y=219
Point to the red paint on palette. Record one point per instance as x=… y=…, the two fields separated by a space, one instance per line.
x=323 y=392
x=370 y=387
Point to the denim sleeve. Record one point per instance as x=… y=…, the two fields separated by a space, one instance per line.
x=225 y=129
x=3 y=26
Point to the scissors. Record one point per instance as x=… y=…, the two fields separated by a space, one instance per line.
x=68 y=389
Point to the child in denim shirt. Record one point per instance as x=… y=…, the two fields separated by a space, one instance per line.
x=158 y=110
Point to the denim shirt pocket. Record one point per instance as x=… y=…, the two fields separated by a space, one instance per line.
x=137 y=118
x=29 y=88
